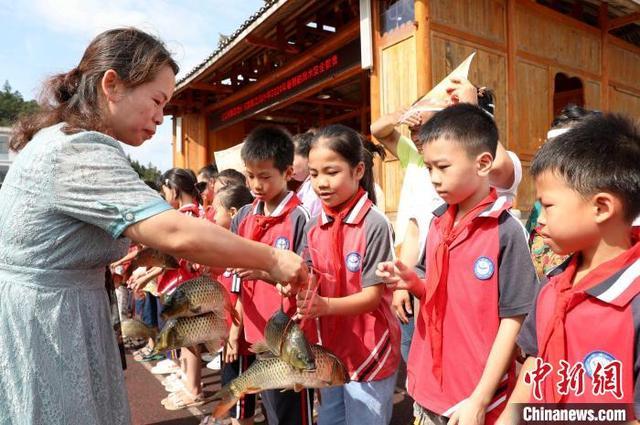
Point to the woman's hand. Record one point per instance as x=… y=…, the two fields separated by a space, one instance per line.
x=289 y=271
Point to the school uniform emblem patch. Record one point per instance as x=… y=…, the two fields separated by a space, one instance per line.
x=593 y=358
x=483 y=268
x=282 y=243
x=353 y=261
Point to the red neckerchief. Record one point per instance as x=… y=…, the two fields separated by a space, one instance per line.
x=435 y=298
x=210 y=214
x=190 y=209
x=568 y=295
x=337 y=235
x=259 y=224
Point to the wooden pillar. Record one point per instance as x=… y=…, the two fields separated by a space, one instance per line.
x=208 y=152
x=603 y=22
x=374 y=80
x=511 y=76
x=423 y=46
x=364 y=102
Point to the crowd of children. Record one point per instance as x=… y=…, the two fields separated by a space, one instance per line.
x=465 y=277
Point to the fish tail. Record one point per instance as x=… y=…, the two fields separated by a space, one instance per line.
x=227 y=401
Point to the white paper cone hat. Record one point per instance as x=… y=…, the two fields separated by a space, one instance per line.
x=438 y=99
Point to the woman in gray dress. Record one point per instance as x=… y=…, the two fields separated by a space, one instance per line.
x=67 y=205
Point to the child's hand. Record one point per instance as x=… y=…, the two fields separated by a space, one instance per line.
x=398 y=276
x=311 y=305
x=401 y=305
x=138 y=284
x=231 y=350
x=395 y=116
x=387 y=272
x=413 y=121
x=249 y=274
x=470 y=413
x=284 y=290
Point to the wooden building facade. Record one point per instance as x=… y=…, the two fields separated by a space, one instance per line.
x=304 y=64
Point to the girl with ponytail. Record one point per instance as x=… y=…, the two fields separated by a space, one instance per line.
x=344 y=244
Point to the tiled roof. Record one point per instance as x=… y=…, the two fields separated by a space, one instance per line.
x=224 y=43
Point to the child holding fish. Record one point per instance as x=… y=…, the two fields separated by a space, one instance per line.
x=228 y=201
x=275 y=218
x=344 y=244
x=179 y=190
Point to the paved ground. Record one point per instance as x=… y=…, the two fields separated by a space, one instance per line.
x=145 y=393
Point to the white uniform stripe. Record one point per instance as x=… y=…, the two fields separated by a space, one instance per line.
x=452 y=409
x=307 y=216
x=623 y=282
x=495 y=207
x=381 y=363
x=356 y=209
x=524 y=229
x=281 y=205
x=372 y=355
x=390 y=228
x=500 y=399
x=497 y=403
x=324 y=217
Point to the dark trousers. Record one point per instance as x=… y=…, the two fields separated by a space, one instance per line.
x=288 y=407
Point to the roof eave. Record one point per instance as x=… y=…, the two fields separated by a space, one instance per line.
x=237 y=40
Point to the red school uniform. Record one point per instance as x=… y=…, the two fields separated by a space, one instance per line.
x=592 y=329
x=368 y=343
x=489 y=276
x=171 y=279
x=283 y=229
x=232 y=284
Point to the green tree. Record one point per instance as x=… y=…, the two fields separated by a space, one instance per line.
x=12 y=105
x=147 y=173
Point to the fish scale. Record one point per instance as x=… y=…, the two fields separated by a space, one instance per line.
x=196 y=296
x=285 y=339
x=274 y=373
x=151 y=257
x=190 y=331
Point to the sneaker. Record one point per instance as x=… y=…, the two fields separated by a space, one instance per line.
x=176 y=376
x=215 y=364
x=207 y=357
x=165 y=367
x=174 y=386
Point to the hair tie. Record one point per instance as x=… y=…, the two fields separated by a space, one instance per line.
x=555 y=132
